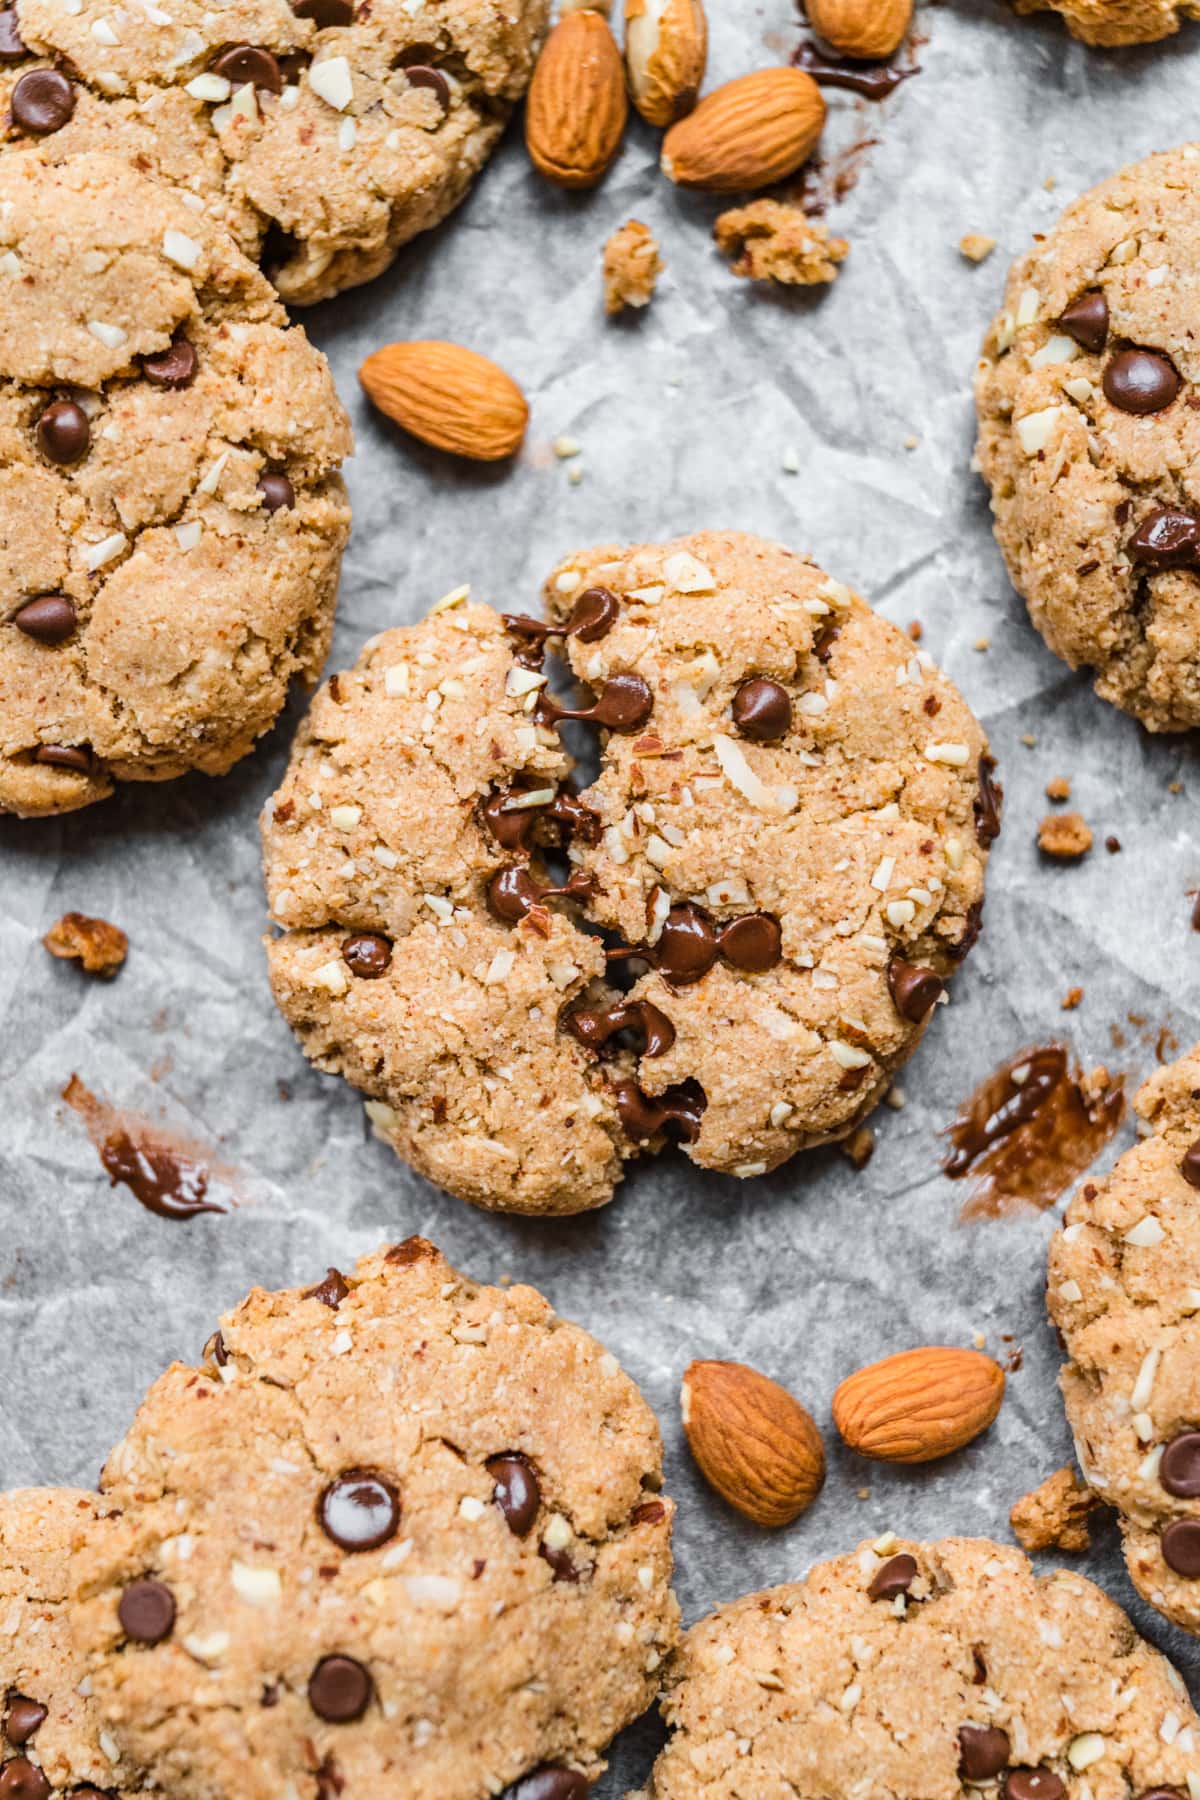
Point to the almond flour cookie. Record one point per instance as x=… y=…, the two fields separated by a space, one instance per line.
x=1089 y=437
x=1115 y=22
x=1124 y=1291
x=794 y=840
x=400 y=1532
x=52 y=1740
x=941 y=1670
x=171 y=516
x=324 y=134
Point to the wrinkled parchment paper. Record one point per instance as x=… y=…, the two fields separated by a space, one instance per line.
x=684 y=416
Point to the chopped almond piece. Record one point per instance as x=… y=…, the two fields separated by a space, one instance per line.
x=976 y=247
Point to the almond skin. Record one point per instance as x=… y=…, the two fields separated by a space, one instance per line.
x=576 y=109
x=666 y=48
x=447 y=396
x=866 y=30
x=752 y=1442
x=919 y=1405
x=753 y=131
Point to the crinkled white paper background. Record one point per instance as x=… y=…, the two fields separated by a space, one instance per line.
x=684 y=415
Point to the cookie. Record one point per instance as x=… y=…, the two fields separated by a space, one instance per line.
x=941 y=1670
x=52 y=1740
x=1124 y=1291
x=794 y=839
x=1089 y=433
x=1115 y=22
x=171 y=516
x=397 y=1522
x=323 y=134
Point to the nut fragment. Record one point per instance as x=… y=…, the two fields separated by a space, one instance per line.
x=666 y=48
x=98 y=947
x=576 y=110
x=632 y=266
x=976 y=246
x=920 y=1404
x=867 y=30
x=1064 y=835
x=753 y=131
x=447 y=396
x=753 y=1442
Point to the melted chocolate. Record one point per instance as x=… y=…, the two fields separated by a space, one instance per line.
x=512 y=891
x=873 y=80
x=514 y=828
x=624 y=704
x=689 y=944
x=595 y=1027
x=164 y=1177
x=1028 y=1131
x=592 y=617
x=677 y=1111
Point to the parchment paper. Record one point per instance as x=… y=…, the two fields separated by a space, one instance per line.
x=684 y=416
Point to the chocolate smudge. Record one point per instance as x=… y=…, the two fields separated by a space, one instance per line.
x=165 y=1176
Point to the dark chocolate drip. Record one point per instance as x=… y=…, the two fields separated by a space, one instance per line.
x=873 y=80
x=689 y=944
x=513 y=890
x=677 y=1111
x=164 y=1180
x=594 y=1027
x=624 y=704
x=592 y=617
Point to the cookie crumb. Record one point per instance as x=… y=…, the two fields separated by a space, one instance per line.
x=98 y=947
x=916 y=630
x=1071 y=999
x=1065 y=836
x=1058 y=789
x=632 y=266
x=982 y=643
x=976 y=246
x=859 y=1147
x=1055 y=1515
x=771 y=241
x=1028 y=739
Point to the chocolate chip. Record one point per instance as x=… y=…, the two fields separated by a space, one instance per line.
x=1140 y=381
x=595 y=1027
x=914 y=990
x=215 y=1347
x=1181 y=1548
x=63 y=432
x=91 y=1793
x=597 y=609
x=983 y=1750
x=66 y=756
x=22 y=1780
x=330 y=1292
x=324 y=13
x=1166 y=539
x=1179 y=1468
x=50 y=619
x=1086 y=320
x=244 y=64
x=893 y=1577
x=1033 y=1784
x=42 y=102
x=550 y=1781
x=277 y=491
x=330 y=1780
x=147 y=1611
x=174 y=367
x=650 y=1512
x=625 y=703
x=22 y=1718
x=339 y=1690
x=687 y=946
x=677 y=1111
x=1162 y=1793
x=988 y=802
x=12 y=48
x=753 y=943
x=359 y=1511
x=762 y=710
x=1189 y=1166
x=516 y=1492
x=563 y=1564
x=512 y=891
x=421 y=76
x=368 y=954
x=824 y=641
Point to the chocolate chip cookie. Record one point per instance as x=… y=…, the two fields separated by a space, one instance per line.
x=52 y=1739
x=324 y=133
x=942 y=1670
x=396 y=1522
x=1089 y=436
x=1124 y=1291
x=1115 y=22
x=171 y=516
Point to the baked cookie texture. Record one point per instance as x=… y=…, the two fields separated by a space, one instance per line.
x=932 y=1669
x=1115 y=22
x=52 y=1739
x=398 y=1531
x=1124 y=1291
x=788 y=838
x=323 y=136
x=171 y=516
x=1089 y=437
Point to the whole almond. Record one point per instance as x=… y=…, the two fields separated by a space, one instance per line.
x=447 y=396
x=666 y=48
x=753 y=1442
x=576 y=109
x=753 y=131
x=918 y=1405
x=866 y=30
